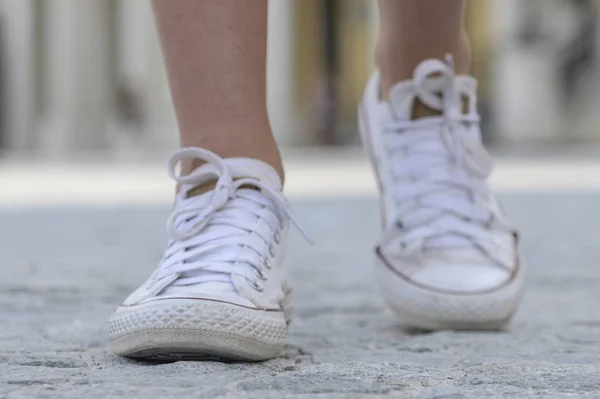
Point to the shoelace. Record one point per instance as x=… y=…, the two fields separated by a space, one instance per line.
x=447 y=155
x=211 y=234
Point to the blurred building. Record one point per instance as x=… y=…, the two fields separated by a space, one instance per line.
x=88 y=74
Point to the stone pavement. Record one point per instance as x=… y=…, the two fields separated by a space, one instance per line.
x=67 y=261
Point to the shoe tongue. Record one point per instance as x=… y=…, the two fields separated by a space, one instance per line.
x=239 y=168
x=406 y=104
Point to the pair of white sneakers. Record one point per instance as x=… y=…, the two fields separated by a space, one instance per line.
x=448 y=257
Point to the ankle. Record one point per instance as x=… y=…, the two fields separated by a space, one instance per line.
x=397 y=59
x=268 y=154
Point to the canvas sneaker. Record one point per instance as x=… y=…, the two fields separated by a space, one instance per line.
x=448 y=256
x=220 y=290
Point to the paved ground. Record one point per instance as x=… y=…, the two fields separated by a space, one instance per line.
x=68 y=260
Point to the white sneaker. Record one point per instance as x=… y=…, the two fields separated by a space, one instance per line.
x=220 y=290
x=448 y=258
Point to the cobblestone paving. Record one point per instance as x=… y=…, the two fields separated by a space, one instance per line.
x=65 y=268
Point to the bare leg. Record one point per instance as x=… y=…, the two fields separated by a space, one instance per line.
x=224 y=259
x=415 y=30
x=215 y=52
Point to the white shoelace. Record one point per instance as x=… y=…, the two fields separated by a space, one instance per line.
x=219 y=234
x=441 y=165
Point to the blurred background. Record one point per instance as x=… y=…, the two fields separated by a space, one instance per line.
x=88 y=74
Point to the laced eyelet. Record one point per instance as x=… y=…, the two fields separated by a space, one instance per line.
x=256 y=285
x=260 y=273
x=266 y=262
x=272 y=250
x=277 y=237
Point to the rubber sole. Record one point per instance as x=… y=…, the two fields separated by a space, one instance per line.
x=186 y=329
x=177 y=345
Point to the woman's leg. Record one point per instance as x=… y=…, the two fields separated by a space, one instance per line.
x=417 y=30
x=215 y=52
x=220 y=291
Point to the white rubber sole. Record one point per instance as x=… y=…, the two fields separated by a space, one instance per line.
x=191 y=329
x=424 y=309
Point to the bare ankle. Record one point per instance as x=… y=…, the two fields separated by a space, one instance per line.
x=256 y=146
x=397 y=59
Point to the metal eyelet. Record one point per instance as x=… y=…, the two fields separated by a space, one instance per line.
x=272 y=250
x=281 y=224
x=257 y=286
x=260 y=273
x=266 y=262
x=277 y=237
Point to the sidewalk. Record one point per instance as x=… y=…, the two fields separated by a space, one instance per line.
x=67 y=260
